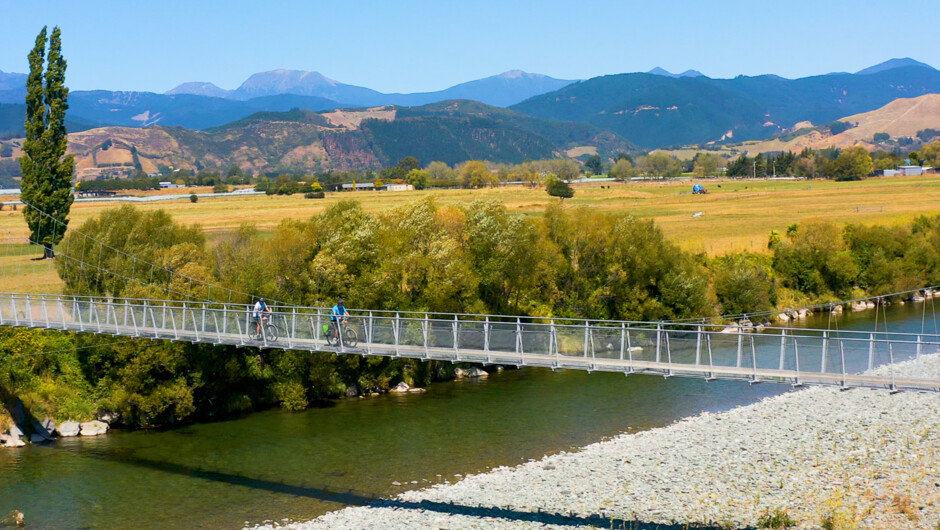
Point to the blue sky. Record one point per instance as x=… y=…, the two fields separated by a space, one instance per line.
x=409 y=46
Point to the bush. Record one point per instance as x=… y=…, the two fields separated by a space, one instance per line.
x=777 y=519
x=314 y=195
x=220 y=188
x=193 y=198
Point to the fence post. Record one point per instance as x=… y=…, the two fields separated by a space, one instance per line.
x=553 y=342
x=825 y=351
x=426 y=331
x=796 y=352
x=623 y=340
x=659 y=330
x=698 y=344
x=61 y=311
x=668 y=354
x=45 y=314
x=630 y=352
x=586 y=337
x=370 y=331
x=176 y=332
x=783 y=348
x=456 y=337
x=293 y=327
x=215 y=319
x=753 y=358
x=195 y=325
x=486 y=337
x=397 y=331
x=29 y=310
x=519 y=340
x=871 y=350
x=740 y=347
x=842 y=354
x=711 y=366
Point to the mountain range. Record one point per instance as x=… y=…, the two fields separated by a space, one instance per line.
x=307 y=141
x=654 y=110
x=649 y=110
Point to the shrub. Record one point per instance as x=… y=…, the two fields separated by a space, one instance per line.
x=193 y=198
x=220 y=188
x=314 y=195
x=775 y=519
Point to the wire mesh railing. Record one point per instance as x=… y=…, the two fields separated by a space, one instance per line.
x=798 y=356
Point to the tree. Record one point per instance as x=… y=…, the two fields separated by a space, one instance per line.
x=881 y=137
x=408 y=163
x=706 y=165
x=417 y=178
x=659 y=165
x=852 y=163
x=475 y=175
x=594 y=164
x=439 y=171
x=558 y=188
x=623 y=169
x=47 y=171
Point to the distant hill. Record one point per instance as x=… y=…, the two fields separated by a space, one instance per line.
x=307 y=141
x=667 y=73
x=892 y=64
x=901 y=118
x=500 y=90
x=655 y=110
x=199 y=88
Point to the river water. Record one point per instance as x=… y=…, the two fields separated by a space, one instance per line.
x=275 y=465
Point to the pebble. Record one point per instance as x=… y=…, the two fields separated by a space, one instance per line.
x=866 y=457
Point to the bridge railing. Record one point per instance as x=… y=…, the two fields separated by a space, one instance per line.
x=798 y=356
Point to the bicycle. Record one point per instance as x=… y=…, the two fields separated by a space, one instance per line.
x=269 y=331
x=350 y=337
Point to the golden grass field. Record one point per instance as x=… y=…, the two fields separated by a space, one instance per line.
x=736 y=216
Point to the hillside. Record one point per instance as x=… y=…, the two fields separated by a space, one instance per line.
x=306 y=141
x=657 y=110
x=901 y=118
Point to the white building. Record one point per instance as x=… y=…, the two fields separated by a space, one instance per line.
x=398 y=187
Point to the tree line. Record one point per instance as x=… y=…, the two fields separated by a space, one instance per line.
x=475 y=258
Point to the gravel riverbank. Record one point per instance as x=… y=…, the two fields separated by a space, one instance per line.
x=864 y=458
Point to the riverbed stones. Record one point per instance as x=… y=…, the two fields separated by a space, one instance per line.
x=69 y=429
x=94 y=428
x=866 y=456
x=477 y=373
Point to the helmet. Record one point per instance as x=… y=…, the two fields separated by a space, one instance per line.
x=261 y=299
x=341 y=302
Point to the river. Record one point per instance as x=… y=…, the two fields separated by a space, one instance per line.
x=275 y=465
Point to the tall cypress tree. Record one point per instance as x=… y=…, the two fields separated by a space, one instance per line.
x=47 y=171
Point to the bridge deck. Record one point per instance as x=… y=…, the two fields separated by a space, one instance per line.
x=796 y=356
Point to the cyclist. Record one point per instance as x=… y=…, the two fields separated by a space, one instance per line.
x=339 y=315
x=258 y=313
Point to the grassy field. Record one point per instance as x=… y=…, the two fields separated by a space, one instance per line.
x=735 y=215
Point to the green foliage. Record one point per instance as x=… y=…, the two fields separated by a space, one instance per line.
x=418 y=178
x=474 y=174
x=852 y=163
x=777 y=519
x=557 y=187
x=594 y=164
x=47 y=171
x=659 y=165
x=838 y=127
x=622 y=170
x=881 y=137
x=220 y=188
x=193 y=197
x=742 y=285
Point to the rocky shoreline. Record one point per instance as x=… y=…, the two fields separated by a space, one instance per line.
x=855 y=459
x=46 y=431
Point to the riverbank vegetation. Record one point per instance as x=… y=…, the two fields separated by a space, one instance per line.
x=478 y=257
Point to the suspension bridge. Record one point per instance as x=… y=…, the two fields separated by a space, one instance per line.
x=704 y=349
x=799 y=356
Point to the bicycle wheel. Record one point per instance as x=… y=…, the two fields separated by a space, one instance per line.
x=271 y=331
x=350 y=338
x=329 y=335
